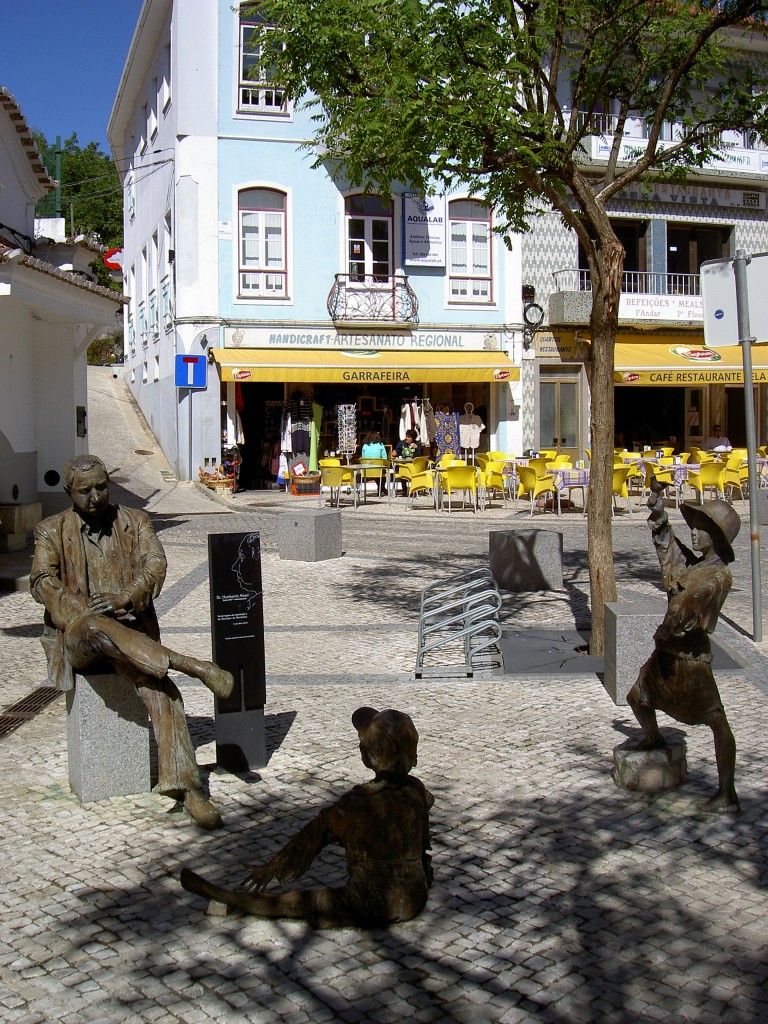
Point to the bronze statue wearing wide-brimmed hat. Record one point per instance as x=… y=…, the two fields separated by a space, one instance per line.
x=677 y=678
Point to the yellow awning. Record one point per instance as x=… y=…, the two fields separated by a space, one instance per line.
x=677 y=363
x=338 y=366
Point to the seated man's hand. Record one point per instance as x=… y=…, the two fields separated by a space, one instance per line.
x=109 y=604
x=258 y=878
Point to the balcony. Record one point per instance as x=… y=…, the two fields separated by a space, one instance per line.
x=742 y=152
x=645 y=296
x=372 y=299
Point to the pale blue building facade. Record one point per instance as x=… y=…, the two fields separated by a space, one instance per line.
x=292 y=285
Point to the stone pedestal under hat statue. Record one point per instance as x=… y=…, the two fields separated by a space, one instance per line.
x=97 y=569
x=677 y=678
x=383 y=826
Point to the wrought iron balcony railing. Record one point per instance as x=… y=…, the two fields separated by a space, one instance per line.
x=633 y=282
x=372 y=297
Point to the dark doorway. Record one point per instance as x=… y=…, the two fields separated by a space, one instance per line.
x=650 y=414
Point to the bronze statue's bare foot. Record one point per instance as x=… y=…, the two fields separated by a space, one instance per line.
x=722 y=803
x=201 y=810
x=646 y=743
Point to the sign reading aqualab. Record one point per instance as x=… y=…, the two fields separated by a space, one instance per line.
x=423 y=230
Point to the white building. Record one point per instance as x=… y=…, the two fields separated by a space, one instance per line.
x=48 y=317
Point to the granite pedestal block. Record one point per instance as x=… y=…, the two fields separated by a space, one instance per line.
x=108 y=739
x=522 y=560
x=310 y=535
x=629 y=629
x=17 y=523
x=649 y=771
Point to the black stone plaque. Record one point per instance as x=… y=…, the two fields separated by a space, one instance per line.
x=237 y=617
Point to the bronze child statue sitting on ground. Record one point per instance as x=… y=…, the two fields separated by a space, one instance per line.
x=383 y=826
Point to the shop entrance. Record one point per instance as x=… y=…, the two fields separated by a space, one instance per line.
x=735 y=426
x=649 y=415
x=559 y=409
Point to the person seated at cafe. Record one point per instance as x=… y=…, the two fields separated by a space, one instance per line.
x=409 y=447
x=373 y=447
x=717 y=441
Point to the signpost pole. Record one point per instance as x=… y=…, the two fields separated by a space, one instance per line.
x=745 y=340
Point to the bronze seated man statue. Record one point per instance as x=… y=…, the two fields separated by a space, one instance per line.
x=383 y=826
x=677 y=678
x=97 y=568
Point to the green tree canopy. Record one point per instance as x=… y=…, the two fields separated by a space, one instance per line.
x=91 y=194
x=502 y=98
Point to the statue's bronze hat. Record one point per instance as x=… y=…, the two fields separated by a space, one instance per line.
x=719 y=519
x=390 y=738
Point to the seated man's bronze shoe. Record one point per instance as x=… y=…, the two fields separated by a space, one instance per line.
x=201 y=810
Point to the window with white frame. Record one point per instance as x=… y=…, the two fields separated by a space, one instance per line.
x=262 y=243
x=165 y=292
x=369 y=239
x=130 y=195
x=470 y=272
x=257 y=93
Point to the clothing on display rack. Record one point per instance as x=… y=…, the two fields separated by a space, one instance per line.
x=446 y=431
x=300 y=408
x=409 y=417
x=470 y=427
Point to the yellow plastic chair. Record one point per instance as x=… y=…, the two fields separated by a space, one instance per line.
x=459 y=478
x=638 y=477
x=619 y=487
x=712 y=476
x=534 y=486
x=666 y=475
x=493 y=479
x=588 y=453
x=446 y=459
x=495 y=456
x=560 y=462
x=481 y=459
x=377 y=472
x=736 y=474
x=547 y=453
x=539 y=466
x=421 y=483
x=334 y=478
x=328 y=462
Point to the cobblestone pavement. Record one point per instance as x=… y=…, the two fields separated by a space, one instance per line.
x=557 y=896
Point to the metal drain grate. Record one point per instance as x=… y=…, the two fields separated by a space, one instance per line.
x=26 y=709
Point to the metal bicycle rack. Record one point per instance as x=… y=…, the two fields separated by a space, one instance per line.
x=459 y=629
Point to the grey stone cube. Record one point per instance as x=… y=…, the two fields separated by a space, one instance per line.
x=629 y=629
x=108 y=738
x=310 y=535
x=522 y=560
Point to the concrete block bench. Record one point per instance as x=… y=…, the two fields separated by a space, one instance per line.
x=108 y=738
x=629 y=629
x=523 y=560
x=310 y=534
x=17 y=523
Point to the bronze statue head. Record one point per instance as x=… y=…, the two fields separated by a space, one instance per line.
x=719 y=519
x=388 y=740
x=86 y=481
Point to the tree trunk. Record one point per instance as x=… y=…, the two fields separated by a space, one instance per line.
x=606 y=285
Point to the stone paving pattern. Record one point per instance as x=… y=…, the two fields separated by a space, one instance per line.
x=557 y=896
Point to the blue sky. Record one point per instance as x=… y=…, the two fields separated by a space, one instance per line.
x=62 y=60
